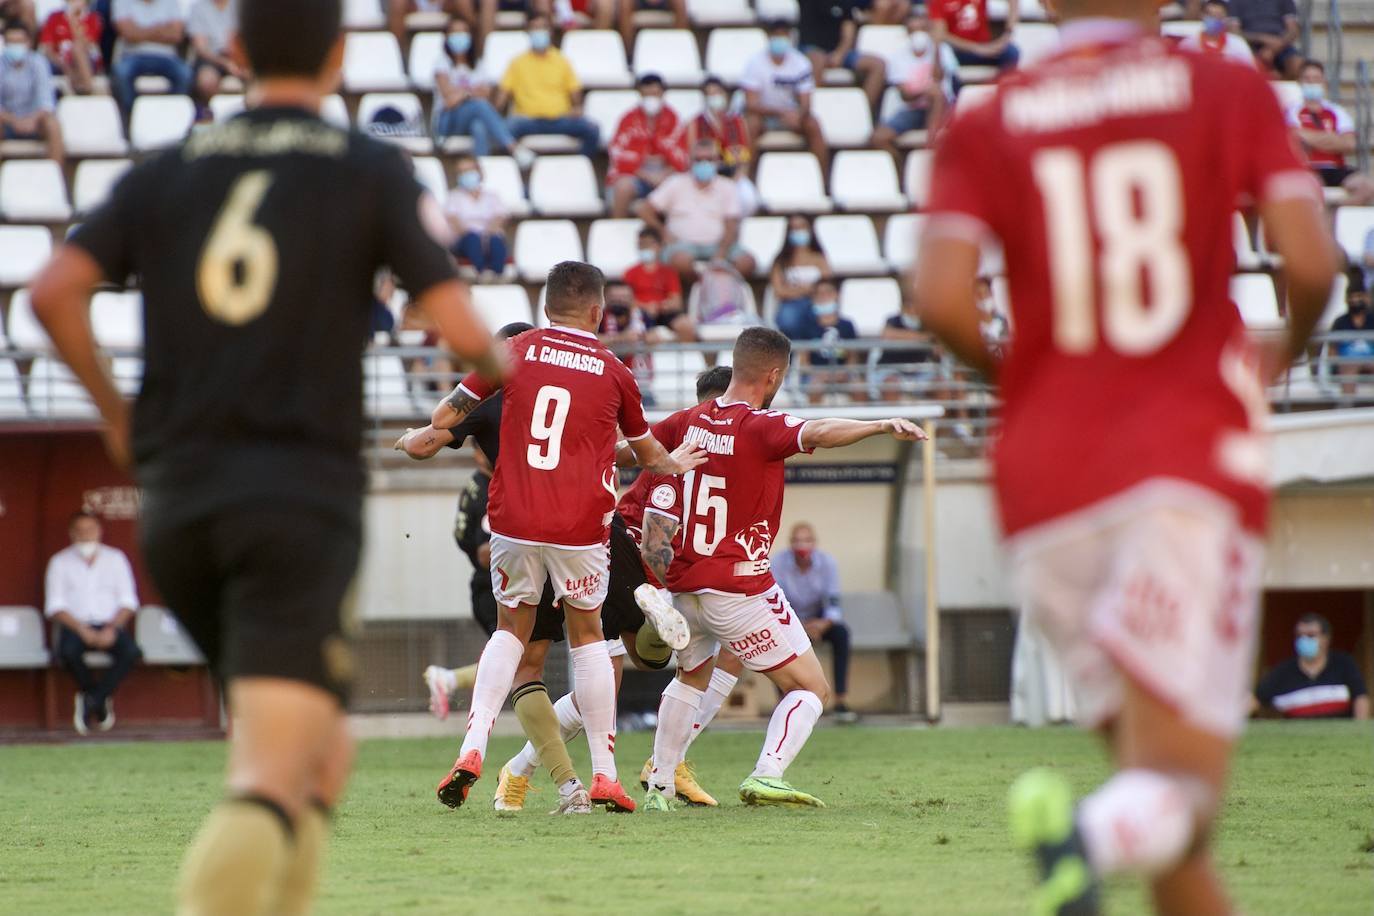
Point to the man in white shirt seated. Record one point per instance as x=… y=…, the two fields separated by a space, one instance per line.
x=90 y=594
x=778 y=83
x=1217 y=36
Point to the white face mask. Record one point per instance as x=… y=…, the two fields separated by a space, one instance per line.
x=87 y=549
x=920 y=42
x=651 y=104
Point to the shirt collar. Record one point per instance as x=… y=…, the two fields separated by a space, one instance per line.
x=1097 y=30
x=576 y=332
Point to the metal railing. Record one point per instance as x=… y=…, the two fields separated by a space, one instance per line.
x=1335 y=48
x=1364 y=113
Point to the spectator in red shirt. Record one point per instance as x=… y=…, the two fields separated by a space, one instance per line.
x=71 y=42
x=721 y=126
x=1325 y=129
x=964 y=24
x=658 y=290
x=646 y=148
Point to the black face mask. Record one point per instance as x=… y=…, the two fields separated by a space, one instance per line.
x=1357 y=305
x=618 y=310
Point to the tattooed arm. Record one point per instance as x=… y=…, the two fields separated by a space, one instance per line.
x=657 y=545
x=423 y=443
x=453 y=409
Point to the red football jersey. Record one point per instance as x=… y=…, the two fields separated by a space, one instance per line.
x=967 y=19
x=729 y=507
x=1110 y=173
x=564 y=398
x=631 y=505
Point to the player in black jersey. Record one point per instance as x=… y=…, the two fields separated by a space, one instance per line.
x=255 y=243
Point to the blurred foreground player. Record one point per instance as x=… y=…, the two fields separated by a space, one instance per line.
x=256 y=243
x=1131 y=471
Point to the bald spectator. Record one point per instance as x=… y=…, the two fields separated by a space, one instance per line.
x=1317 y=682
x=27 y=96
x=545 y=95
x=810 y=578
x=698 y=215
x=150 y=33
x=91 y=597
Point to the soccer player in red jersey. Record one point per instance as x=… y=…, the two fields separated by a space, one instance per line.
x=728 y=511
x=550 y=507
x=1131 y=465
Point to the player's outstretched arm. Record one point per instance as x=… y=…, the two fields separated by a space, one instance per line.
x=61 y=297
x=653 y=457
x=453 y=409
x=423 y=443
x=450 y=306
x=945 y=277
x=657 y=545
x=1296 y=229
x=836 y=432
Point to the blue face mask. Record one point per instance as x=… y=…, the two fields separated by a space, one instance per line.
x=826 y=308
x=459 y=42
x=1312 y=92
x=647 y=256
x=539 y=39
x=1307 y=646
x=799 y=237
x=703 y=171
x=16 y=53
x=1213 y=25
x=778 y=46
x=470 y=180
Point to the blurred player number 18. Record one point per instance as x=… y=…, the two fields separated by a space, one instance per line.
x=548 y=429
x=1137 y=211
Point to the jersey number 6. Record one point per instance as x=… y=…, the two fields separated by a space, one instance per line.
x=238 y=266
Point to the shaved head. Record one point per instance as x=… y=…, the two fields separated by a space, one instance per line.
x=759 y=351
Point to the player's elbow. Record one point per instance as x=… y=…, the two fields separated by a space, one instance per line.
x=1312 y=273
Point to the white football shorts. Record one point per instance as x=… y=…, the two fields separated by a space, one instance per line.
x=762 y=630
x=580 y=577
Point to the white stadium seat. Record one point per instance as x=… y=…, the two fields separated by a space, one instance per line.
x=865 y=180
x=850 y=245
x=605 y=107
x=712 y=13
x=613 y=245
x=372 y=63
x=728 y=50
x=565 y=186
x=335 y=111
x=1353 y=225
x=1036 y=41
x=671 y=53
x=408 y=104
x=674 y=379
x=1247 y=258
x=882 y=41
x=869 y=303
x=598 y=58
x=13 y=405
x=1288 y=93
x=791 y=182
x=55 y=392
x=975 y=95
x=23 y=249
x=844 y=116
x=128 y=375
x=160 y=121
x=762 y=237
x=542 y=243
x=117 y=319
x=501 y=175
x=426 y=51
x=22 y=327
x=91 y=126
x=225 y=106
x=779 y=10
x=33 y=190
x=499 y=49
x=1255 y=297
x=900 y=237
x=916 y=177
x=430 y=173
x=1181 y=28
x=386 y=390
x=163 y=640
x=363 y=14
x=686 y=103
x=501 y=304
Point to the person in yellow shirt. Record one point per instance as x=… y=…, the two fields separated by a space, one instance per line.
x=544 y=94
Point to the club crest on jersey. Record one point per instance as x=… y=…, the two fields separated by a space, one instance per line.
x=757 y=543
x=664 y=496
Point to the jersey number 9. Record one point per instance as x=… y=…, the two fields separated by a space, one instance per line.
x=546 y=427
x=238 y=266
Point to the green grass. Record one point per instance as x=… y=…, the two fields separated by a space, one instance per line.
x=915 y=825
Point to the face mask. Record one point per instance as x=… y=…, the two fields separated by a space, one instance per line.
x=620 y=311
x=16 y=53
x=651 y=104
x=799 y=237
x=647 y=256
x=87 y=549
x=803 y=554
x=1357 y=305
x=469 y=180
x=703 y=171
x=1313 y=92
x=459 y=42
x=909 y=322
x=1307 y=646
x=778 y=46
x=920 y=42
x=717 y=102
x=826 y=308
x=1213 y=25
x=539 y=39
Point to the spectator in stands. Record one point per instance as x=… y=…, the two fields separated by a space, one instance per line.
x=810 y=579
x=964 y=24
x=463 y=100
x=647 y=147
x=726 y=129
x=150 y=33
x=625 y=327
x=383 y=289
x=1317 y=682
x=778 y=84
x=833 y=367
x=20 y=11
x=478 y=218
x=885 y=12
x=90 y=595
x=211 y=26
x=798 y=269
x=582 y=14
x=828 y=32
x=1325 y=129
x=1218 y=36
x=628 y=8
x=398 y=10
x=923 y=73
x=1355 y=353
x=1272 y=29
x=28 y=99
x=698 y=215
x=908 y=365
x=545 y=95
x=71 y=42
x=657 y=290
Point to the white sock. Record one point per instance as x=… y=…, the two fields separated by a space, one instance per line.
x=788 y=730
x=524 y=763
x=569 y=787
x=594 y=687
x=495 y=677
x=569 y=718
x=717 y=692
x=1141 y=821
x=676 y=713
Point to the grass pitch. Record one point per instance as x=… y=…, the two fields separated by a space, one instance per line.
x=915 y=825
